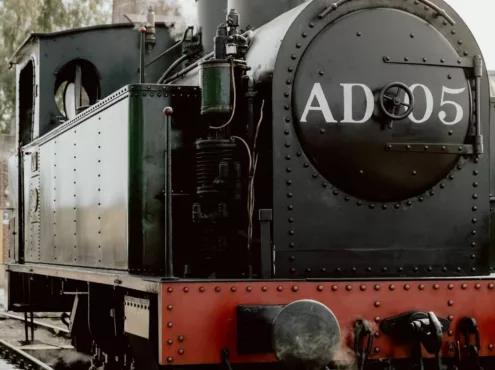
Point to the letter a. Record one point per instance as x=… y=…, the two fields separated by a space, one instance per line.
x=323 y=107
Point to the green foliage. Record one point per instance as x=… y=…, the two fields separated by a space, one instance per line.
x=20 y=18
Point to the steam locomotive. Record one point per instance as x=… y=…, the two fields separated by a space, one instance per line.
x=294 y=183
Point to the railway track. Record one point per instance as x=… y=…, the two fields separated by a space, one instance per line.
x=57 y=330
x=21 y=359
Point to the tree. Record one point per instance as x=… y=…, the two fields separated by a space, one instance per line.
x=20 y=18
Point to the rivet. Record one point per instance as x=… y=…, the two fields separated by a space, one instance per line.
x=295 y=288
x=400 y=269
x=279 y=288
x=407 y=287
x=289 y=170
x=249 y=289
x=170 y=324
x=421 y=287
x=299 y=154
x=298 y=45
x=451 y=318
x=442 y=60
x=451 y=303
x=290 y=69
x=286 y=132
x=409 y=203
x=311 y=25
x=475 y=184
x=286 y=94
x=291 y=220
x=474 y=209
x=473 y=256
x=459 y=42
x=320 y=288
x=490 y=286
x=288 y=82
x=473 y=244
x=304 y=34
x=406 y=59
x=464 y=286
x=292 y=245
x=186 y=289
x=334 y=288
x=377 y=319
x=490 y=347
x=287 y=119
x=347 y=199
x=384 y=206
x=425 y=60
x=323 y=269
x=290 y=207
x=217 y=289
x=321 y=73
x=322 y=131
x=169 y=359
x=354 y=269
x=451 y=333
x=170 y=341
x=371 y=206
x=377 y=334
x=335 y=192
x=264 y=289
x=181 y=351
x=392 y=287
x=397 y=206
x=288 y=157
x=170 y=290
x=201 y=289
x=169 y=307
x=289 y=195
x=436 y=287
x=233 y=289
x=287 y=145
x=362 y=287
x=451 y=286
x=315 y=175
x=451 y=133
x=377 y=304
x=289 y=182
x=181 y=338
x=473 y=232
x=473 y=269
x=458 y=269
x=348 y=288
x=377 y=287
x=477 y=286
x=292 y=232
x=325 y=184
x=414 y=173
x=412 y=35
x=430 y=269
x=359 y=34
x=359 y=203
x=442 y=186
x=387 y=59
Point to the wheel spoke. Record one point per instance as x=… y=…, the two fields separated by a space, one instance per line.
x=388 y=97
x=405 y=105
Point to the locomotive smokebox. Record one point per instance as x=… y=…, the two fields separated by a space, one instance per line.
x=304 y=334
x=255 y=13
x=211 y=13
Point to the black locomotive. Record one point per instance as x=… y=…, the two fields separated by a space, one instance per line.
x=286 y=181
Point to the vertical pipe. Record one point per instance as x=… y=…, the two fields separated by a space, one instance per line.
x=168 y=111
x=142 y=36
x=478 y=73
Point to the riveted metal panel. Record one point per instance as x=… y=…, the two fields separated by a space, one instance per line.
x=114 y=170
x=88 y=223
x=48 y=202
x=441 y=232
x=65 y=198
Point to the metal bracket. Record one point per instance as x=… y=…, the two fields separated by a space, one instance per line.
x=440 y=12
x=452 y=149
x=266 y=217
x=459 y=63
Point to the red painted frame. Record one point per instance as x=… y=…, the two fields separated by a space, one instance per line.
x=198 y=319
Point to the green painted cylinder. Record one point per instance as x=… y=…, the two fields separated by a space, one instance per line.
x=216 y=87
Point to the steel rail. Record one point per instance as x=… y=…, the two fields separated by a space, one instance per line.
x=52 y=328
x=34 y=362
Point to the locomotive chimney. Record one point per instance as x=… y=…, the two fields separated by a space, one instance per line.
x=211 y=13
x=255 y=13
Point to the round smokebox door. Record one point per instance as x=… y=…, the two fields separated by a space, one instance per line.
x=353 y=101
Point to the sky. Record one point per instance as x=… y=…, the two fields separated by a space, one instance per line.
x=478 y=15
